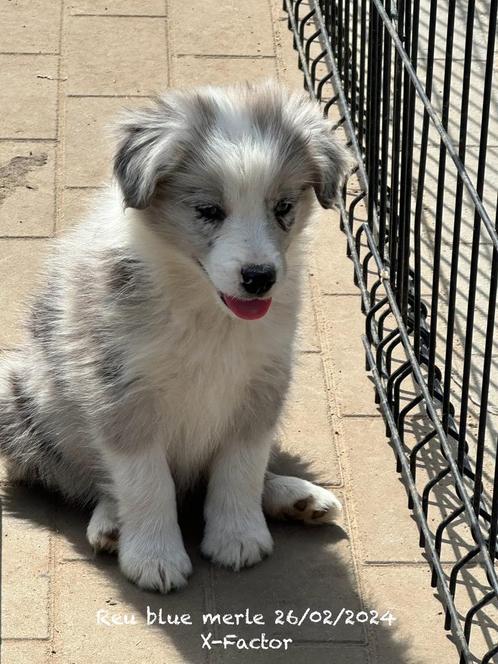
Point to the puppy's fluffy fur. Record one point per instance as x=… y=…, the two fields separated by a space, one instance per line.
x=135 y=377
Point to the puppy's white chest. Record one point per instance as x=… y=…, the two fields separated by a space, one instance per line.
x=204 y=382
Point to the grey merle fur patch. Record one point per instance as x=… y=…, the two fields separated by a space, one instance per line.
x=28 y=422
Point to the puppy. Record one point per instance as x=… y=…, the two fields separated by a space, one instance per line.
x=159 y=348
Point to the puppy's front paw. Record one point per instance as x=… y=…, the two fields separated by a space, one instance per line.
x=103 y=529
x=103 y=540
x=237 y=545
x=153 y=571
x=294 y=498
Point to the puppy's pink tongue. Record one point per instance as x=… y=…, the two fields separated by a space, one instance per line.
x=247 y=309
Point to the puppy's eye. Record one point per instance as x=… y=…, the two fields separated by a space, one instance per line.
x=210 y=212
x=282 y=208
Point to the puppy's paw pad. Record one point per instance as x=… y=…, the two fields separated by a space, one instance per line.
x=319 y=514
x=320 y=506
x=235 y=550
x=104 y=540
x=301 y=505
x=157 y=574
x=103 y=529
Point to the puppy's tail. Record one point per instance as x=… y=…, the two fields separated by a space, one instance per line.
x=25 y=446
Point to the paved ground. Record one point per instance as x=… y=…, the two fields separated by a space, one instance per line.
x=65 y=69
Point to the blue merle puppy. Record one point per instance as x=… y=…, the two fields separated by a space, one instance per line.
x=159 y=348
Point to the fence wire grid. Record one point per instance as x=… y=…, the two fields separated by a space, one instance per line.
x=411 y=86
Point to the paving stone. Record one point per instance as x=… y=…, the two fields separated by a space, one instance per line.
x=117 y=7
x=190 y=70
x=70 y=525
x=307 y=333
x=289 y=73
x=31 y=26
x=29 y=92
x=332 y=269
x=88 y=143
x=27 y=193
x=87 y=587
x=241 y=28
x=76 y=204
x=302 y=653
x=309 y=568
x=111 y=65
x=24 y=651
x=19 y=267
x=25 y=564
x=307 y=439
x=346 y=325
x=379 y=498
x=417 y=635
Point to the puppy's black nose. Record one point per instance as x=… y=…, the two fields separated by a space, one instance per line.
x=258 y=279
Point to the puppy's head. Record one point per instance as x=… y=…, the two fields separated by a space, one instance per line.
x=228 y=176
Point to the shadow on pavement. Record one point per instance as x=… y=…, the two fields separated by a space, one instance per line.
x=311 y=569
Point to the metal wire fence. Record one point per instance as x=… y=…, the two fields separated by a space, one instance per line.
x=411 y=85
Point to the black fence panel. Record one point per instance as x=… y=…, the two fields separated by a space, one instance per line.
x=411 y=86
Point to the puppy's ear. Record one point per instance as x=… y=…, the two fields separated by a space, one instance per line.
x=147 y=151
x=333 y=162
